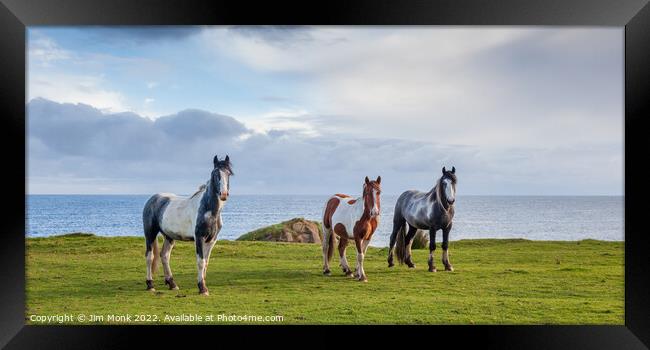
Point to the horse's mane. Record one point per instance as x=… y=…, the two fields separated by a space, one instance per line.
x=222 y=164
x=437 y=191
x=201 y=189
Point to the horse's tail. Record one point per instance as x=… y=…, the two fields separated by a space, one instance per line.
x=400 y=244
x=156 y=255
x=328 y=234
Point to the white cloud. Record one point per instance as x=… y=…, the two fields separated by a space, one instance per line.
x=67 y=88
x=74 y=144
x=88 y=77
x=296 y=120
x=331 y=49
x=490 y=87
x=44 y=50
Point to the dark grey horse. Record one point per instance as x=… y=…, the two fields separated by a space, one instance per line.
x=196 y=218
x=433 y=211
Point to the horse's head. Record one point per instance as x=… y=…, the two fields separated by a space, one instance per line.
x=448 y=183
x=220 y=178
x=371 y=192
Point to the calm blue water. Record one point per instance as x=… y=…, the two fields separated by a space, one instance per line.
x=530 y=217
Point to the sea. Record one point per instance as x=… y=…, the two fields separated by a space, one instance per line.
x=558 y=218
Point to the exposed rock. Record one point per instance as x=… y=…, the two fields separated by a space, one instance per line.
x=308 y=231
x=421 y=240
x=286 y=236
x=297 y=230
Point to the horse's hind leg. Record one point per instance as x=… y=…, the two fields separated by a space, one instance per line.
x=151 y=252
x=407 y=242
x=327 y=241
x=151 y=230
x=398 y=222
x=165 y=254
x=445 y=249
x=343 y=244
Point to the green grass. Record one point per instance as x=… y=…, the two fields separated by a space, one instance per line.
x=495 y=282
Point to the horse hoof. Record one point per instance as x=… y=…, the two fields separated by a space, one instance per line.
x=411 y=266
x=363 y=279
x=432 y=269
x=348 y=274
x=203 y=290
x=327 y=273
x=172 y=285
x=449 y=268
x=151 y=290
x=391 y=264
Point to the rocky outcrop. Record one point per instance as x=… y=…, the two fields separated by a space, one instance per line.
x=421 y=240
x=296 y=230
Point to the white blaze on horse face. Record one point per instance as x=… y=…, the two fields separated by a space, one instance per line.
x=223 y=188
x=375 y=208
x=449 y=190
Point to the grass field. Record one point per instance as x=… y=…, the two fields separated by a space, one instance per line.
x=494 y=282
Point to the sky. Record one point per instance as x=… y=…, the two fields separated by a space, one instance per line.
x=313 y=110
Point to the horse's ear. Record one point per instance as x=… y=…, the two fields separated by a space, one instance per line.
x=215 y=160
x=453 y=169
x=367 y=180
x=227 y=159
x=444 y=170
x=379 y=179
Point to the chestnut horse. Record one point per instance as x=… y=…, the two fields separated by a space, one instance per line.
x=348 y=219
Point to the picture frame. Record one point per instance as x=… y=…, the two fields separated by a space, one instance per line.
x=634 y=15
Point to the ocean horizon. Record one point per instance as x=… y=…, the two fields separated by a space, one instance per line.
x=537 y=217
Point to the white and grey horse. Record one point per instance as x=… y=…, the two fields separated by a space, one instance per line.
x=433 y=211
x=196 y=218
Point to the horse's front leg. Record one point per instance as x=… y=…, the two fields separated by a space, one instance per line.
x=214 y=240
x=445 y=248
x=202 y=255
x=432 y=249
x=362 y=245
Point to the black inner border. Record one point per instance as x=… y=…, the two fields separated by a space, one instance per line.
x=15 y=15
